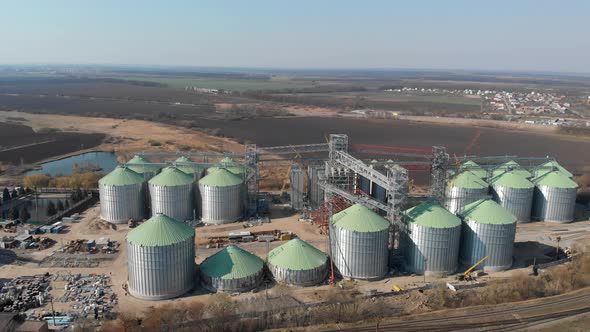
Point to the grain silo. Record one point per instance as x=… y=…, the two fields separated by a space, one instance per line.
x=551 y=166
x=359 y=243
x=172 y=193
x=514 y=193
x=298 y=263
x=142 y=166
x=474 y=168
x=160 y=259
x=230 y=165
x=511 y=166
x=221 y=197
x=554 y=198
x=122 y=194
x=488 y=230
x=186 y=165
x=231 y=270
x=464 y=188
x=432 y=238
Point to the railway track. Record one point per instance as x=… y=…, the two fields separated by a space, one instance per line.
x=502 y=319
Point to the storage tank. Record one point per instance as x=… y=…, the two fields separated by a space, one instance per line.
x=139 y=165
x=186 y=165
x=359 y=243
x=514 y=193
x=231 y=270
x=160 y=259
x=554 y=198
x=474 y=168
x=488 y=230
x=431 y=240
x=122 y=196
x=514 y=167
x=221 y=197
x=172 y=193
x=549 y=167
x=298 y=263
x=464 y=188
x=230 y=165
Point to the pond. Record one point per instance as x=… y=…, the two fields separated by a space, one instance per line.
x=105 y=161
x=37 y=207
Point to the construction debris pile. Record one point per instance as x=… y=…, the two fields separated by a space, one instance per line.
x=26 y=242
x=24 y=293
x=91 y=294
x=102 y=245
x=237 y=237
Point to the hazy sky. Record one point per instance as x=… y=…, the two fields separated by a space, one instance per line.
x=546 y=35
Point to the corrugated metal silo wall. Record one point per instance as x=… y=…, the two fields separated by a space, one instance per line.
x=360 y=255
x=518 y=201
x=300 y=277
x=157 y=273
x=221 y=205
x=554 y=204
x=232 y=285
x=174 y=201
x=316 y=194
x=297 y=187
x=479 y=240
x=439 y=246
x=118 y=204
x=364 y=184
x=457 y=197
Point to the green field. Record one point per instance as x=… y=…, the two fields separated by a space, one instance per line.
x=225 y=84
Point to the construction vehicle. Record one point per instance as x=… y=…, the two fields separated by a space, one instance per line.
x=396 y=288
x=466 y=276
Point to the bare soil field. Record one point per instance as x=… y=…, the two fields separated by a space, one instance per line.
x=20 y=143
x=459 y=139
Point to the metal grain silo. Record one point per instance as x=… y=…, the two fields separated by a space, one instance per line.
x=474 y=168
x=122 y=193
x=359 y=243
x=488 y=230
x=514 y=167
x=186 y=165
x=172 y=193
x=160 y=259
x=232 y=269
x=230 y=165
x=514 y=193
x=298 y=263
x=221 y=197
x=141 y=165
x=431 y=240
x=549 y=167
x=554 y=198
x=464 y=188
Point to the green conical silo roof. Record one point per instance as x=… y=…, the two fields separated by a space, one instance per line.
x=474 y=168
x=486 y=211
x=231 y=263
x=359 y=218
x=297 y=255
x=220 y=178
x=551 y=166
x=160 y=230
x=141 y=168
x=230 y=165
x=512 y=166
x=184 y=159
x=555 y=179
x=170 y=177
x=121 y=176
x=467 y=179
x=511 y=179
x=431 y=214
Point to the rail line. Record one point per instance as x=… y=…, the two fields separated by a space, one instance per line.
x=473 y=321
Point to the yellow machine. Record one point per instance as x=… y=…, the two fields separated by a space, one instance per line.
x=467 y=274
x=396 y=288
